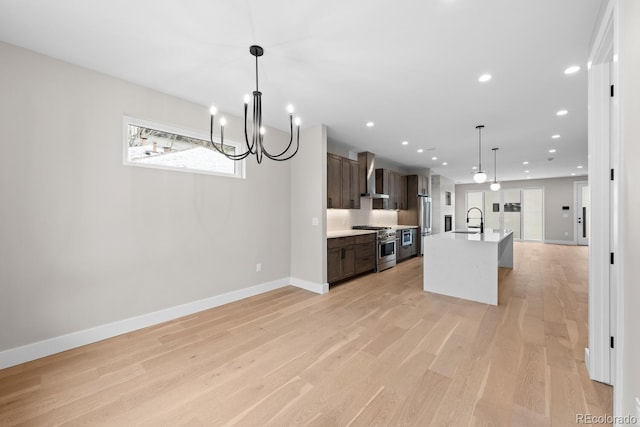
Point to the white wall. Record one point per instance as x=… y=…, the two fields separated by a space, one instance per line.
x=439 y=187
x=85 y=240
x=629 y=226
x=308 y=197
x=558 y=192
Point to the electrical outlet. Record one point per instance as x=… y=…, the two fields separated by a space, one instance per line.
x=315 y=221
x=258 y=268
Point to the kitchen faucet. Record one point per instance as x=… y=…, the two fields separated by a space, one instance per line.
x=481 y=218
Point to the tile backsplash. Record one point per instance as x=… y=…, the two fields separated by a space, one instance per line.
x=344 y=219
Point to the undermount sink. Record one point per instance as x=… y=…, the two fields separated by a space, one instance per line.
x=465 y=232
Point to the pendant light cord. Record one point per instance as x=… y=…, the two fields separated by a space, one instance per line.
x=479 y=127
x=495 y=165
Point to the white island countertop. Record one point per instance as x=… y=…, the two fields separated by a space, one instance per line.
x=465 y=265
x=494 y=235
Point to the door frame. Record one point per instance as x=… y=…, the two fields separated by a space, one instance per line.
x=604 y=301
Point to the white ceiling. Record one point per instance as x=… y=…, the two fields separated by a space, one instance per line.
x=410 y=66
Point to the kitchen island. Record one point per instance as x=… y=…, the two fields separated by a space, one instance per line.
x=464 y=264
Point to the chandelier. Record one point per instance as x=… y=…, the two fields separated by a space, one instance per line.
x=480 y=176
x=256 y=146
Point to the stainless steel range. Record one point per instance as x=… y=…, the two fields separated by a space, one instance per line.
x=386 y=245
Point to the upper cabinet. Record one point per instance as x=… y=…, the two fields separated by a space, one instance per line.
x=393 y=184
x=343 y=183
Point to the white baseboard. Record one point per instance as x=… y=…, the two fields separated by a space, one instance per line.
x=318 y=288
x=26 y=353
x=561 y=242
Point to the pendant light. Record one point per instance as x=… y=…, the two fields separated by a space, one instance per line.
x=495 y=185
x=480 y=176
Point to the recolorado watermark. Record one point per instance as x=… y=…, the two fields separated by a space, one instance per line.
x=606 y=419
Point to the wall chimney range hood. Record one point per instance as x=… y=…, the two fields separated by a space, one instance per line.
x=368 y=176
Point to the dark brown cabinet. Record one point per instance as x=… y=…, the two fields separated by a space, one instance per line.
x=343 y=183
x=401 y=191
x=334 y=181
x=365 y=253
x=393 y=184
x=415 y=242
x=348 y=256
x=341 y=262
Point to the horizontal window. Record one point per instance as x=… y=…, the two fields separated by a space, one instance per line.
x=155 y=145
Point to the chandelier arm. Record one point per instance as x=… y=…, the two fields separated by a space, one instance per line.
x=260 y=150
x=221 y=150
x=256 y=127
x=271 y=156
x=246 y=137
x=278 y=159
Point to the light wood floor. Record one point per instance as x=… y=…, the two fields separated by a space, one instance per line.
x=374 y=351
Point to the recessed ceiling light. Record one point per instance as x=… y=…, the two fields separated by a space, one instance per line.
x=562 y=113
x=474 y=168
x=420 y=150
x=444 y=163
x=405 y=142
x=528 y=177
x=553 y=150
x=434 y=158
x=573 y=174
x=572 y=69
x=580 y=167
x=525 y=163
x=556 y=136
x=484 y=78
x=370 y=124
x=527 y=171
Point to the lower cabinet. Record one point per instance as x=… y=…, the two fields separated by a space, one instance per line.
x=348 y=256
x=365 y=253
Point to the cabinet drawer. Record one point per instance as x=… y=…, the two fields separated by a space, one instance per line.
x=339 y=242
x=366 y=238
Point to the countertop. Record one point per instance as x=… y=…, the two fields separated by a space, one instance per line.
x=350 y=232
x=492 y=235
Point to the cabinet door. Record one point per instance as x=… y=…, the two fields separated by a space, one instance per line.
x=365 y=257
x=334 y=181
x=355 y=184
x=345 y=187
x=334 y=265
x=402 y=192
x=391 y=188
x=422 y=184
x=415 y=242
x=348 y=261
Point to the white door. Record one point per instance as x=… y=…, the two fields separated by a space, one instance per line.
x=582 y=215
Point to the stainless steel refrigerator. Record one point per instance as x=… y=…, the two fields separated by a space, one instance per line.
x=424 y=218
